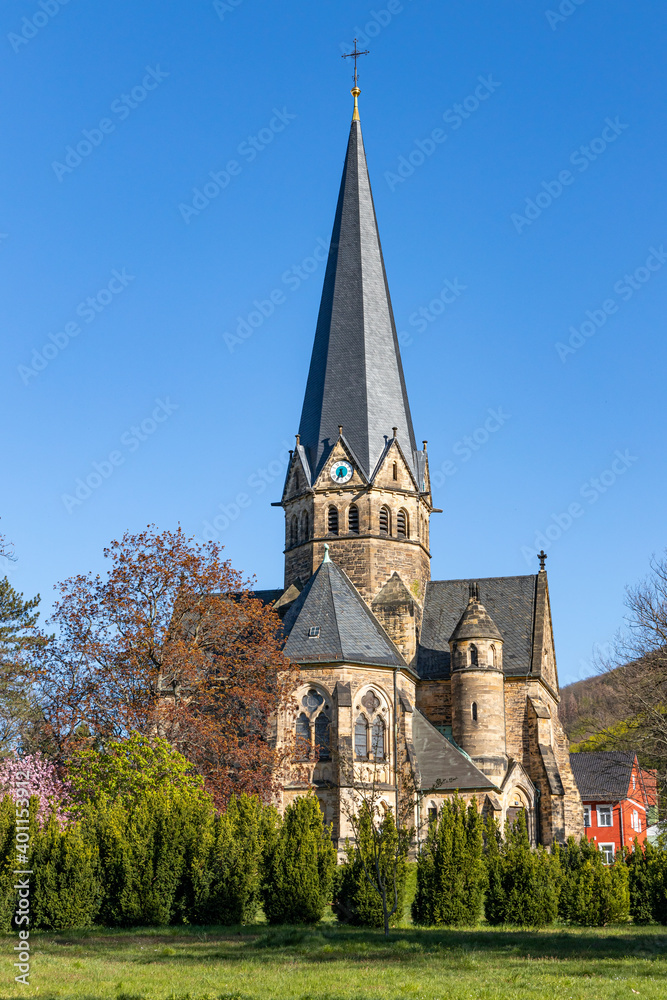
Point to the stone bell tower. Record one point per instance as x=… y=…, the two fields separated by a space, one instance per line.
x=356 y=479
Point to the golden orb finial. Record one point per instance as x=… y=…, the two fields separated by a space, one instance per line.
x=355 y=93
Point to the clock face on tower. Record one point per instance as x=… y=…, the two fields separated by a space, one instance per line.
x=341 y=472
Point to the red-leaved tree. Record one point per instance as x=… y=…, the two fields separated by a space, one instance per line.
x=169 y=642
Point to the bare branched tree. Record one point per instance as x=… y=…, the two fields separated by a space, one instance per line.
x=380 y=814
x=637 y=672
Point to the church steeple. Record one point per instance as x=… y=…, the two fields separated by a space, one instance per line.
x=356 y=480
x=356 y=376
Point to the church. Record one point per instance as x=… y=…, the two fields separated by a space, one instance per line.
x=456 y=678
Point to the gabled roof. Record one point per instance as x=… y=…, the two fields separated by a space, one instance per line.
x=355 y=377
x=510 y=601
x=602 y=775
x=348 y=631
x=442 y=768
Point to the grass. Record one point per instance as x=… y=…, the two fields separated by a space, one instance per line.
x=330 y=962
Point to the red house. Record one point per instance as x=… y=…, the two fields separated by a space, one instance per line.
x=619 y=798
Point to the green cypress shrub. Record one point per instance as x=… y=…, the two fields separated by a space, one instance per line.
x=357 y=894
x=451 y=874
x=143 y=852
x=530 y=879
x=593 y=894
x=494 y=897
x=658 y=869
x=7 y=861
x=299 y=866
x=231 y=893
x=66 y=887
x=640 y=882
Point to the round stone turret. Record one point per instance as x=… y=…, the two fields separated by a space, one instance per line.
x=478 y=697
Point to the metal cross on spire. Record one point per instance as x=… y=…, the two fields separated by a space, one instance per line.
x=542 y=557
x=355 y=55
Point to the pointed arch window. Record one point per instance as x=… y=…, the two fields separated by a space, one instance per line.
x=294 y=530
x=297 y=481
x=473 y=711
x=395 y=470
x=492 y=656
x=332 y=520
x=473 y=655
x=305 y=526
x=361 y=737
x=378 y=739
x=303 y=736
x=402 y=524
x=353 y=519
x=385 y=521
x=323 y=736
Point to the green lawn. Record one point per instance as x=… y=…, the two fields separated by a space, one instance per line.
x=329 y=962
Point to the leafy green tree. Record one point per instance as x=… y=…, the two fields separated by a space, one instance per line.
x=299 y=866
x=66 y=889
x=360 y=880
x=127 y=769
x=451 y=874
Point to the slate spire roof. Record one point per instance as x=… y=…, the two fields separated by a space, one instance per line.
x=475 y=622
x=330 y=621
x=356 y=377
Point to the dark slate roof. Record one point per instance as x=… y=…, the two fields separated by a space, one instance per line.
x=348 y=629
x=356 y=377
x=441 y=766
x=602 y=775
x=510 y=601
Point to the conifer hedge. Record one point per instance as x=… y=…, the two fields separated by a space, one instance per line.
x=451 y=874
x=299 y=866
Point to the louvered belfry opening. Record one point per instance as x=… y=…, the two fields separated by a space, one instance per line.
x=353 y=519
x=332 y=520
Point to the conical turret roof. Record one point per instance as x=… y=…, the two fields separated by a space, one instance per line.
x=475 y=622
x=356 y=377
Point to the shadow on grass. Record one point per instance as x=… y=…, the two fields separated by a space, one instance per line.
x=328 y=942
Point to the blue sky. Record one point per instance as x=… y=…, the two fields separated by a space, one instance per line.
x=542 y=204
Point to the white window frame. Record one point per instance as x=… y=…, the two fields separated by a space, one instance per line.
x=599 y=809
x=606 y=850
x=587 y=816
